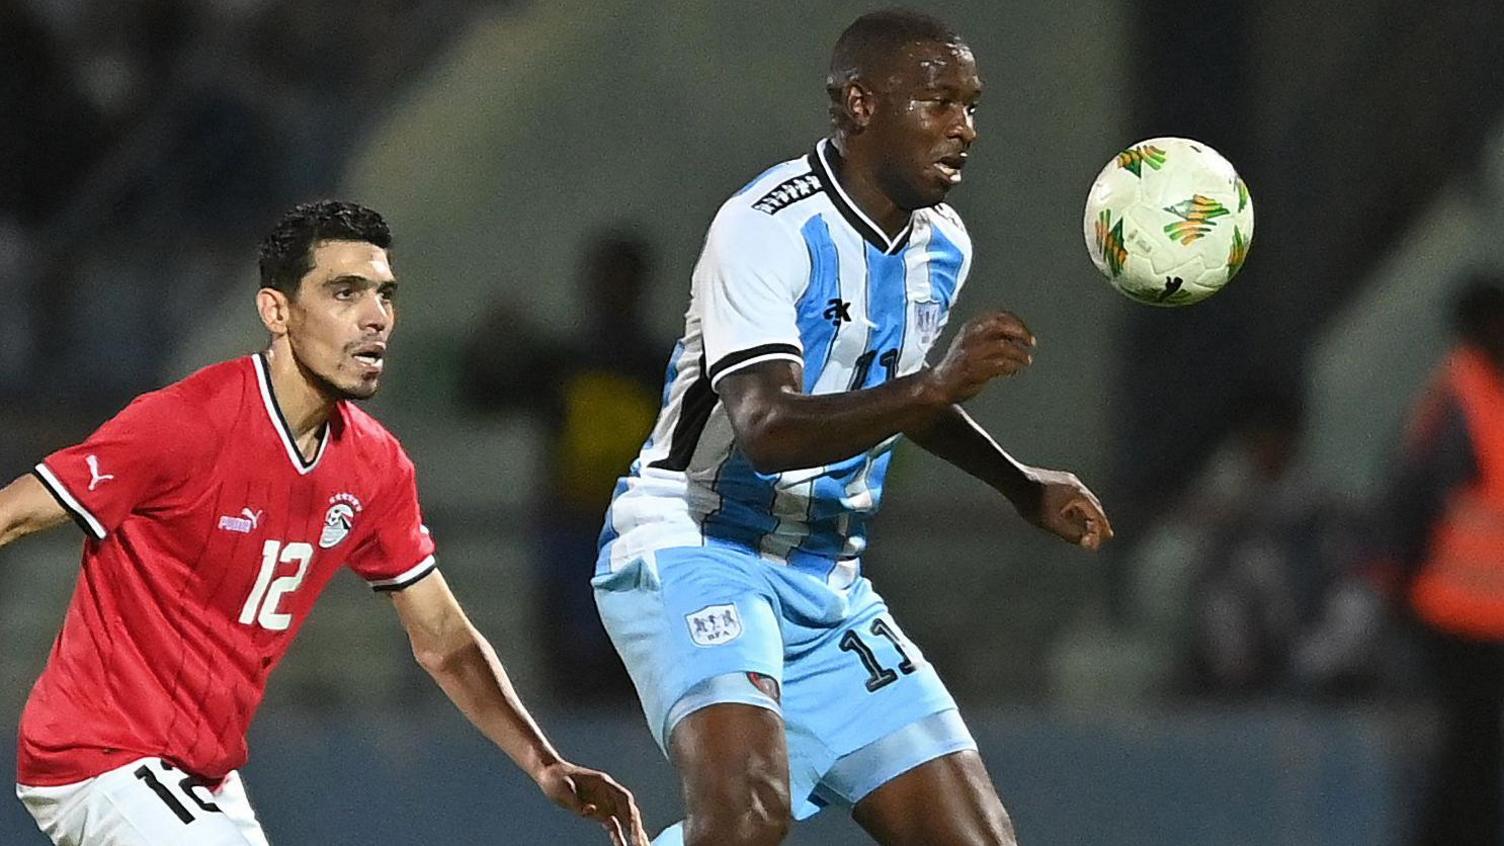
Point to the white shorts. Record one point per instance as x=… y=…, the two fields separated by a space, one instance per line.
x=147 y=802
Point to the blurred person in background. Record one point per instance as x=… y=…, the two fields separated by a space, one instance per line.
x=135 y=122
x=1242 y=585
x=769 y=669
x=596 y=391
x=216 y=510
x=1216 y=573
x=1444 y=516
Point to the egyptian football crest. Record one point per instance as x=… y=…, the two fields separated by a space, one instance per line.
x=339 y=519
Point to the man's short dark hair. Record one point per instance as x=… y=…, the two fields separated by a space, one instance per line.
x=286 y=255
x=875 y=38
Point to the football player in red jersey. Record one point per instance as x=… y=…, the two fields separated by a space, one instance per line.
x=216 y=509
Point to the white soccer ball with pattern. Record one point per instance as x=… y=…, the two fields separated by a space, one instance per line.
x=1169 y=222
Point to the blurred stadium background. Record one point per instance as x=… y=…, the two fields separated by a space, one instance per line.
x=1146 y=696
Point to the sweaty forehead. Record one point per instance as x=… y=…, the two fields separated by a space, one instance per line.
x=923 y=64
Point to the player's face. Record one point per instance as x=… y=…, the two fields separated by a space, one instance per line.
x=340 y=322
x=924 y=122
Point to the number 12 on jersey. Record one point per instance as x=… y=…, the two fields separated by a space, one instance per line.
x=261 y=606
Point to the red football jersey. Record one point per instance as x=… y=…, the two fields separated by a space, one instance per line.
x=209 y=539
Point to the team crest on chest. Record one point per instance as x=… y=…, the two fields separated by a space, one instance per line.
x=927 y=321
x=339 y=519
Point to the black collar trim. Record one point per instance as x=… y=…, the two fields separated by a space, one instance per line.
x=303 y=465
x=825 y=161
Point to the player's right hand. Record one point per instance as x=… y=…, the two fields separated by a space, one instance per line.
x=596 y=795
x=993 y=345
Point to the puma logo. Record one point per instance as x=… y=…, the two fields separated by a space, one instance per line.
x=244 y=524
x=98 y=477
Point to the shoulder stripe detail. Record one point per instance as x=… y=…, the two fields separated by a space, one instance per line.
x=698 y=403
x=413 y=575
x=85 y=520
x=279 y=422
x=745 y=358
x=789 y=192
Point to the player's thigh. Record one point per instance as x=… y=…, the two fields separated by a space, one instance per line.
x=862 y=705
x=948 y=801
x=145 y=803
x=690 y=624
x=732 y=761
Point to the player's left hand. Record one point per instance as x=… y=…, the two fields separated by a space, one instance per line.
x=1069 y=509
x=596 y=795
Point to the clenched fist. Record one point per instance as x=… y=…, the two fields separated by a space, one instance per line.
x=993 y=345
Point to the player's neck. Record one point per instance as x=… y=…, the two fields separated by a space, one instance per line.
x=305 y=407
x=860 y=184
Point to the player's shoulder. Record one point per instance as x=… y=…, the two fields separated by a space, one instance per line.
x=186 y=422
x=774 y=201
x=208 y=399
x=760 y=223
x=779 y=188
x=220 y=381
x=371 y=440
x=947 y=221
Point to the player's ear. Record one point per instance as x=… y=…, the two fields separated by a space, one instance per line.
x=274 y=309
x=858 y=103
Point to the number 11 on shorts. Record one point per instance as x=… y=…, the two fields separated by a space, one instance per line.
x=878 y=676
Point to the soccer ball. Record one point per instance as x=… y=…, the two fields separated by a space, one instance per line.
x=1169 y=222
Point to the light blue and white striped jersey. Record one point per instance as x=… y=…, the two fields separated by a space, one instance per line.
x=791 y=269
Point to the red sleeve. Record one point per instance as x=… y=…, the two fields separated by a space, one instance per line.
x=135 y=461
x=399 y=551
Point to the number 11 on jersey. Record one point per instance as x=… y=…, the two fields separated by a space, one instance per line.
x=261 y=606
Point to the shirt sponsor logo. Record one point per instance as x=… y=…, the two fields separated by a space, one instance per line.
x=714 y=625
x=339 y=519
x=837 y=311
x=244 y=524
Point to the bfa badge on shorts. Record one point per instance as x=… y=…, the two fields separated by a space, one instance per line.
x=714 y=625
x=338 y=519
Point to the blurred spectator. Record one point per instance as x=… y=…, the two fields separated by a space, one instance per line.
x=52 y=131
x=1445 y=520
x=138 y=123
x=597 y=393
x=16 y=319
x=1239 y=579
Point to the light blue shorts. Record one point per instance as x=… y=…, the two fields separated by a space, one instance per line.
x=860 y=704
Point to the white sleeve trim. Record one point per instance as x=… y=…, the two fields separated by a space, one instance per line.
x=407 y=578
x=55 y=486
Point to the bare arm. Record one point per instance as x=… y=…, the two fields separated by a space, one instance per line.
x=465 y=666
x=1054 y=500
x=779 y=428
x=26 y=508
x=953 y=436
